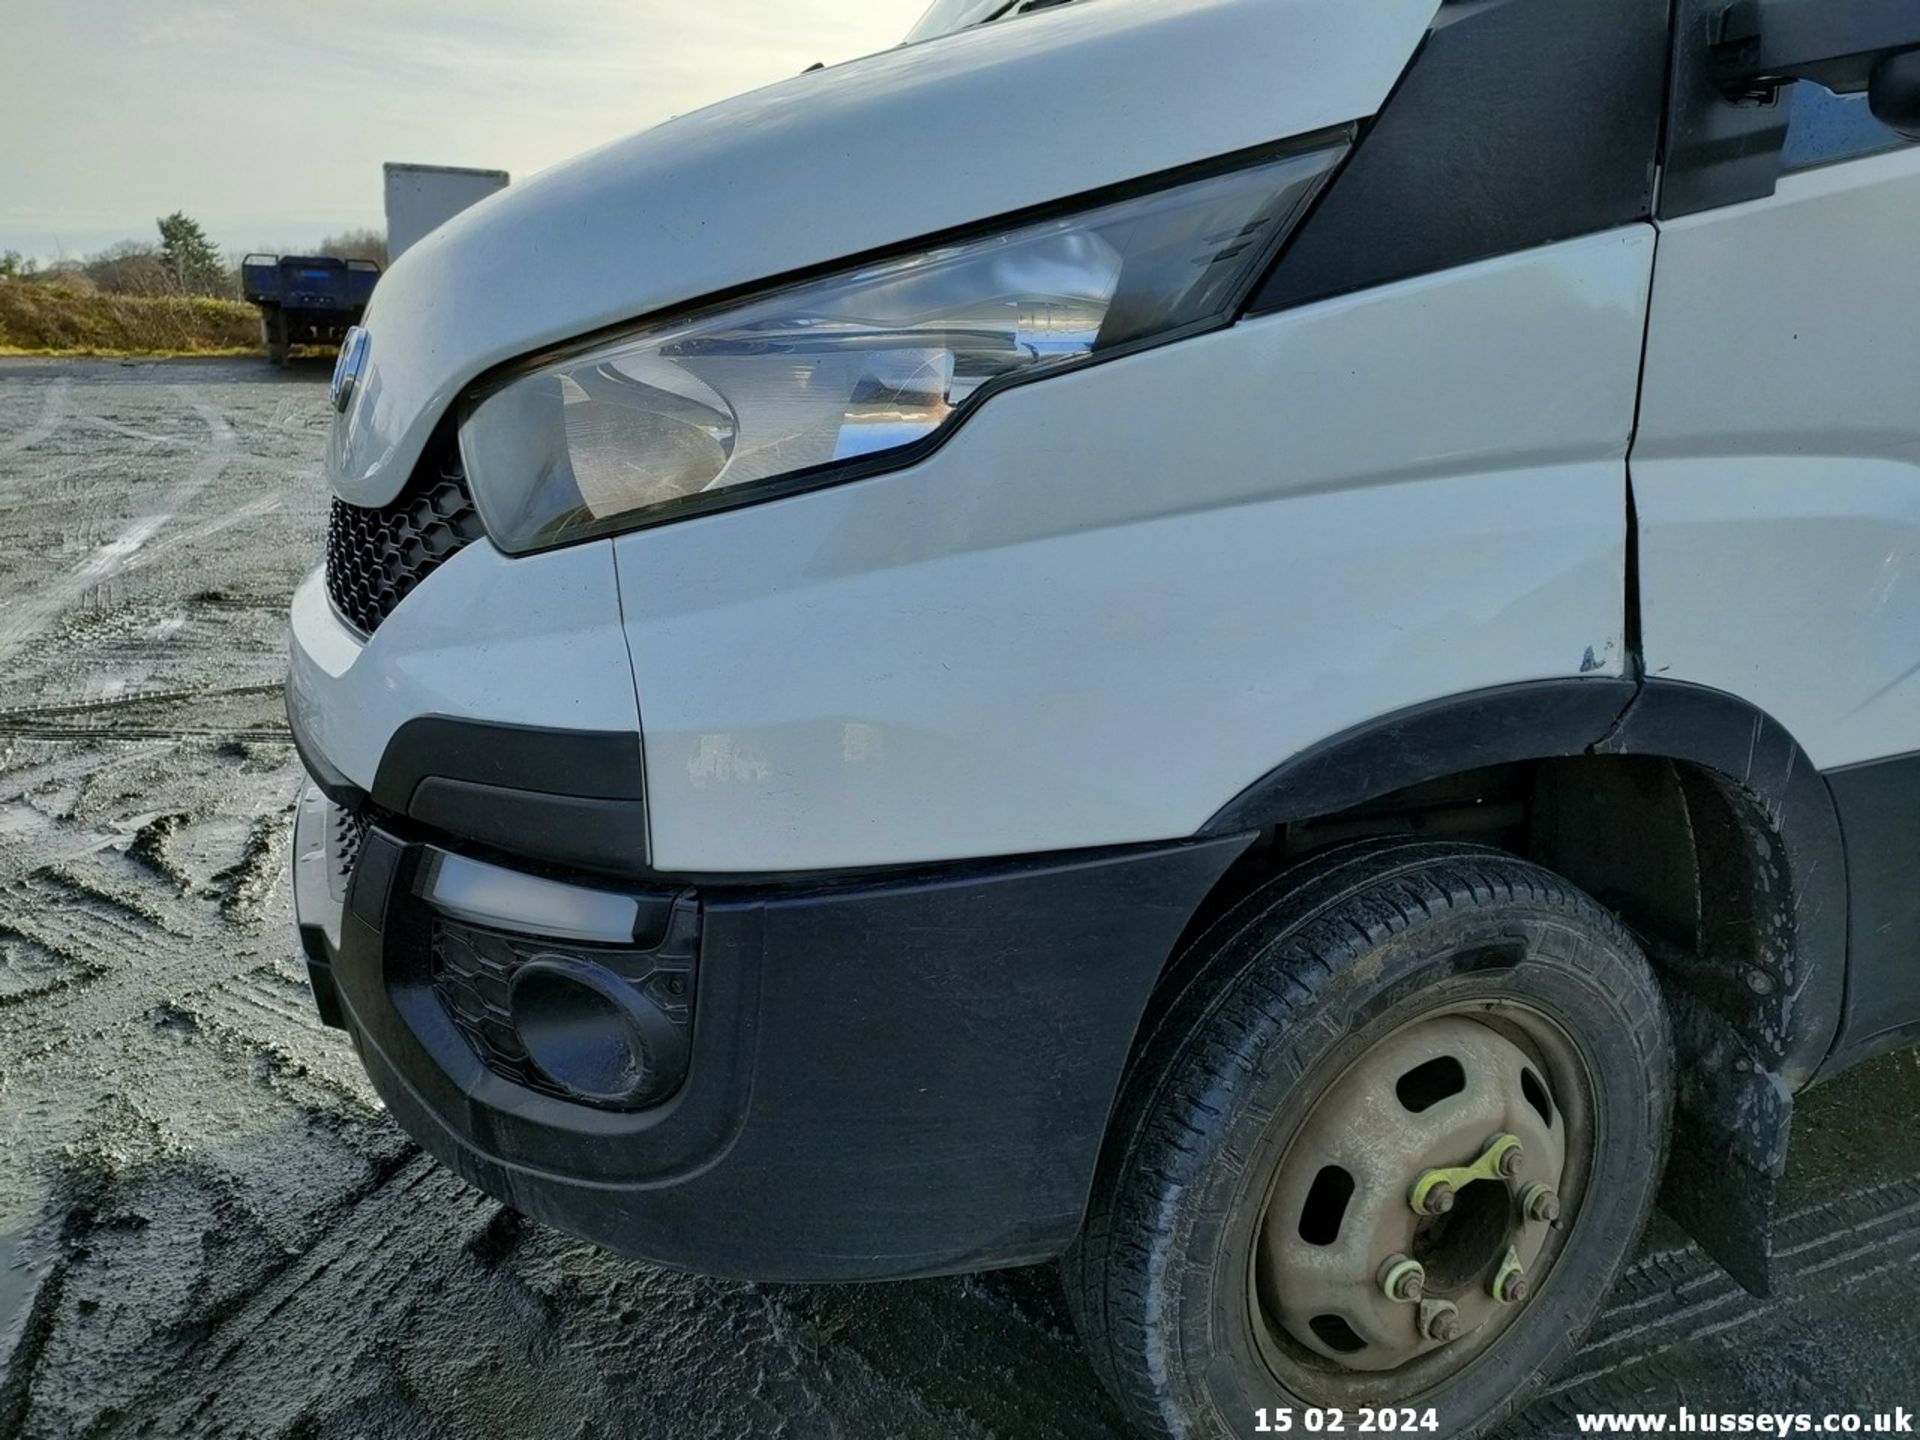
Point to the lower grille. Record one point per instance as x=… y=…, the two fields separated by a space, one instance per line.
x=473 y=970
x=376 y=557
x=349 y=831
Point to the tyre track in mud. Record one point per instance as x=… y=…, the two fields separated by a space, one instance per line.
x=53 y=414
x=58 y=719
x=46 y=731
x=209 y=1226
x=130 y=717
x=1674 y=1304
x=143 y=759
x=27 y=616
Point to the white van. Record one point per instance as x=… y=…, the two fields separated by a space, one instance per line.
x=1264 y=645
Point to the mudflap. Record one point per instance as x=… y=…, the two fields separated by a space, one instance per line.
x=1729 y=1146
x=1726 y=1205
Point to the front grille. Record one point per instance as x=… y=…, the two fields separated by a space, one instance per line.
x=472 y=970
x=349 y=832
x=376 y=557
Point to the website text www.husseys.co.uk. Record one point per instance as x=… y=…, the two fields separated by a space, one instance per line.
x=1691 y=1422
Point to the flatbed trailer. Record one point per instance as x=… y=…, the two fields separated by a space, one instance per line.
x=306 y=299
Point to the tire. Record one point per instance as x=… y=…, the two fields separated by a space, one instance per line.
x=1272 y=1012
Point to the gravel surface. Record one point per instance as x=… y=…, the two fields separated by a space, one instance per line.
x=207 y=1223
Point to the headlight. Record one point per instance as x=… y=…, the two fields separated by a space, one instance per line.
x=832 y=378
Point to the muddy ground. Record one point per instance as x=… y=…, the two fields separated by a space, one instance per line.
x=208 y=1224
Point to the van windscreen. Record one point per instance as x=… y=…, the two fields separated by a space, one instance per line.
x=943 y=17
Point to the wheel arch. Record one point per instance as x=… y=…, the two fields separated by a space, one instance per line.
x=1691 y=813
x=1755 y=810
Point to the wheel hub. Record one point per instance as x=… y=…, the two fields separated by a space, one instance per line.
x=1414 y=1209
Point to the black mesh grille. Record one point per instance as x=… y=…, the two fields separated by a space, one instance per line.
x=472 y=970
x=349 y=832
x=375 y=557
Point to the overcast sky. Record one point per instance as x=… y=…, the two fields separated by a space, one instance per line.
x=268 y=120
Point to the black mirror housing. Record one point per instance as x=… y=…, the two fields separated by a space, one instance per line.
x=1894 y=92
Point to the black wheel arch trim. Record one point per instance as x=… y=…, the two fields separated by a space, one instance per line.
x=1733 y=738
x=1548 y=719
x=1536 y=720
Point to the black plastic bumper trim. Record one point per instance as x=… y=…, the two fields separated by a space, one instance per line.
x=570 y=798
x=605 y=836
x=561 y=797
x=889 y=1077
x=589 y=764
x=326 y=995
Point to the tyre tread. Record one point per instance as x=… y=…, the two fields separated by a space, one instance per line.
x=1241 y=997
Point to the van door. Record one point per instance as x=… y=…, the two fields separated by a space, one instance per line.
x=1776 y=468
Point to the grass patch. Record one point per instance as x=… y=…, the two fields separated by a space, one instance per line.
x=49 y=319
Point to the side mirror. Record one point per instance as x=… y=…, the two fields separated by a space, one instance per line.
x=1841 y=44
x=1893 y=91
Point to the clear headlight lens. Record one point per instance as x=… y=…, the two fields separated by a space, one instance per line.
x=801 y=385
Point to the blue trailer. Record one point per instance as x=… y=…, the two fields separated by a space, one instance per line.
x=306 y=299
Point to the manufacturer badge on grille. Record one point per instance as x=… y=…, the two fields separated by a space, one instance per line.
x=348 y=368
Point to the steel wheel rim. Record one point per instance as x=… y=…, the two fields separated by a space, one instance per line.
x=1396 y=1364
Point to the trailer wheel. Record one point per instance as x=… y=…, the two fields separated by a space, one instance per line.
x=273 y=325
x=1390 y=1145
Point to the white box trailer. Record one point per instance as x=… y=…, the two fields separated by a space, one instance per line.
x=420 y=198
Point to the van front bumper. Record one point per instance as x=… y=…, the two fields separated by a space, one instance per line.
x=888 y=1076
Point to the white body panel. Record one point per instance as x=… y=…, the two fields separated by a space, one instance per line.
x=1115 y=599
x=828 y=165
x=531 y=642
x=422 y=198
x=1777 y=471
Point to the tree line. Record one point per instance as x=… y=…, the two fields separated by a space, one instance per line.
x=184 y=261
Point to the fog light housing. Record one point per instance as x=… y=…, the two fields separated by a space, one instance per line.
x=592 y=1034
x=594 y=1025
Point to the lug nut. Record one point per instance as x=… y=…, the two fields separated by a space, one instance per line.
x=1441 y=1323
x=1513 y=1288
x=1439 y=1199
x=1540 y=1203
x=1510 y=1161
x=1402 y=1280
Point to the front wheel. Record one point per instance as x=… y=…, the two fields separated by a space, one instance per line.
x=1390 y=1144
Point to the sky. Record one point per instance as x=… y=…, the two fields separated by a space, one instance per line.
x=268 y=120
